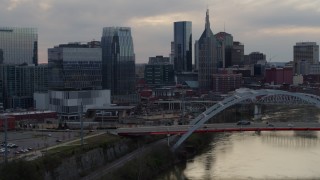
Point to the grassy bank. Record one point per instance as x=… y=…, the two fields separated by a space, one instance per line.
x=21 y=169
x=160 y=159
x=55 y=158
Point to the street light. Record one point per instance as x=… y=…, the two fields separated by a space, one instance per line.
x=102 y=113
x=81 y=122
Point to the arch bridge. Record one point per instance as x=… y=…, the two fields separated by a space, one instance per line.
x=243 y=95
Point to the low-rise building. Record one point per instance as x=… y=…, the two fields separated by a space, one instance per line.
x=278 y=76
x=66 y=103
x=224 y=83
x=297 y=79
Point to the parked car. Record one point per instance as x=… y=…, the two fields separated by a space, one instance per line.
x=2 y=150
x=11 y=145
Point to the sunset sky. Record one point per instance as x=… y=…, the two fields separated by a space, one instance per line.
x=268 y=26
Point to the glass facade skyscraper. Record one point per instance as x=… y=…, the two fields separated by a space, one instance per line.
x=183 y=46
x=159 y=72
x=74 y=66
x=118 y=60
x=224 y=49
x=20 y=82
x=18 y=45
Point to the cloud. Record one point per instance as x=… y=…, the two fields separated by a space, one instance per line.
x=45 y=5
x=258 y=24
x=290 y=31
x=14 y=3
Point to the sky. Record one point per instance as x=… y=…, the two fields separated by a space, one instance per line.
x=269 y=26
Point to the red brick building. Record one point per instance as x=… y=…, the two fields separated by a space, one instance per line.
x=279 y=76
x=226 y=82
x=11 y=123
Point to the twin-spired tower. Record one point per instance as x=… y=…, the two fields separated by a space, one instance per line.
x=118 y=60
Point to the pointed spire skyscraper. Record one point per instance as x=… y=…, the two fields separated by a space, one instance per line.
x=207 y=21
x=207 y=58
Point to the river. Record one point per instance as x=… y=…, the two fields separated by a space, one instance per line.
x=251 y=155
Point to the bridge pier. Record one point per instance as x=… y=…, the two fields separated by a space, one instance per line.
x=257 y=112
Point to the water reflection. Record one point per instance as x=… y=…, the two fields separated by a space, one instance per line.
x=248 y=155
x=291 y=140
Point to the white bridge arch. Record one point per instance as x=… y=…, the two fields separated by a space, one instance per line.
x=263 y=96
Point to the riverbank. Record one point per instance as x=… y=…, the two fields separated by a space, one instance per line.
x=159 y=159
x=70 y=161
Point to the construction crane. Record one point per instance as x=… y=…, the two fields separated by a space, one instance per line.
x=268 y=62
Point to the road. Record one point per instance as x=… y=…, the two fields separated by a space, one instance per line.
x=221 y=127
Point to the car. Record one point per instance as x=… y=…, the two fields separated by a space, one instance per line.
x=270 y=125
x=2 y=150
x=24 y=150
x=58 y=140
x=290 y=125
x=243 y=122
x=11 y=145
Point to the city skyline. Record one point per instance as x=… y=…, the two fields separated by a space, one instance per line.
x=268 y=26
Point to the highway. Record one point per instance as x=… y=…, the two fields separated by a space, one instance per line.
x=220 y=127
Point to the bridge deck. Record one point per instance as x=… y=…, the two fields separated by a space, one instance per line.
x=221 y=127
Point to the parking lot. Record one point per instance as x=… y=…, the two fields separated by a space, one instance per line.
x=27 y=141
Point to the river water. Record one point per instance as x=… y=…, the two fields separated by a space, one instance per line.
x=251 y=155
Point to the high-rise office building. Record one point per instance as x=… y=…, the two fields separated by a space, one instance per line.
x=19 y=82
x=254 y=57
x=237 y=55
x=208 y=64
x=1 y=56
x=224 y=49
x=118 y=60
x=159 y=60
x=18 y=45
x=196 y=55
x=182 y=46
x=159 y=72
x=171 y=55
x=305 y=53
x=74 y=66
